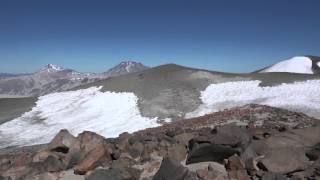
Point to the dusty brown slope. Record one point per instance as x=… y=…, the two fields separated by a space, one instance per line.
x=11 y=108
x=172 y=90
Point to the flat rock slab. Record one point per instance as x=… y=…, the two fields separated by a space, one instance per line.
x=285 y=160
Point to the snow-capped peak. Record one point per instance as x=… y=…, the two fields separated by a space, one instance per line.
x=298 y=64
x=125 y=67
x=51 y=68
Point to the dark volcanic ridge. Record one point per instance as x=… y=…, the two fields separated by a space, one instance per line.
x=249 y=142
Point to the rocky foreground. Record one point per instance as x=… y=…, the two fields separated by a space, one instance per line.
x=249 y=142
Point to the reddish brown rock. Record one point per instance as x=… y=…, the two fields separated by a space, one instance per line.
x=62 y=142
x=43 y=155
x=93 y=159
x=238 y=175
x=235 y=163
x=89 y=140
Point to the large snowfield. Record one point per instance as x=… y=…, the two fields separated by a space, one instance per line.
x=300 y=96
x=299 y=64
x=107 y=113
x=110 y=113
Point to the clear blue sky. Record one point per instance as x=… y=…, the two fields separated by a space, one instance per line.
x=93 y=35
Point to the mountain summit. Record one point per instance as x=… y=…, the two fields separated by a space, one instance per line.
x=125 y=67
x=297 y=64
x=54 y=78
x=50 y=68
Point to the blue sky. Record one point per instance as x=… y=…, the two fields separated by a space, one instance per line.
x=91 y=36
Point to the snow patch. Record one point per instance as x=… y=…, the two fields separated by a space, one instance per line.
x=300 y=96
x=318 y=64
x=300 y=64
x=106 y=113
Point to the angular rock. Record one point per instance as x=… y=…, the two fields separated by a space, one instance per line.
x=43 y=155
x=114 y=174
x=211 y=166
x=93 y=159
x=89 y=141
x=122 y=162
x=171 y=169
x=285 y=160
x=25 y=172
x=235 y=163
x=238 y=174
x=53 y=164
x=178 y=151
x=314 y=153
x=306 y=137
x=236 y=168
x=184 y=138
x=66 y=146
x=273 y=176
x=69 y=175
x=310 y=173
x=204 y=174
x=123 y=141
x=136 y=149
x=208 y=170
x=45 y=176
x=232 y=135
x=62 y=142
x=209 y=152
x=251 y=164
x=110 y=174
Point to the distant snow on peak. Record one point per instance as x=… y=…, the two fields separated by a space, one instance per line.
x=298 y=64
x=54 y=78
x=51 y=68
x=125 y=67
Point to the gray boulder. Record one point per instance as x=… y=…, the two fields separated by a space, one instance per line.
x=171 y=169
x=209 y=152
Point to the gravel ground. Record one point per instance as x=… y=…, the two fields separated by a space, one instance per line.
x=11 y=108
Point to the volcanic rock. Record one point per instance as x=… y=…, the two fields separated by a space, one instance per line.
x=209 y=152
x=273 y=176
x=92 y=159
x=178 y=152
x=171 y=169
x=314 y=153
x=62 y=142
x=285 y=160
x=89 y=141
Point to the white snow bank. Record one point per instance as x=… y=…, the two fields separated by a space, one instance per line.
x=106 y=113
x=299 y=64
x=300 y=96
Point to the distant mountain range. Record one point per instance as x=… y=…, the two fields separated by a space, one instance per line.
x=3 y=75
x=54 y=78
